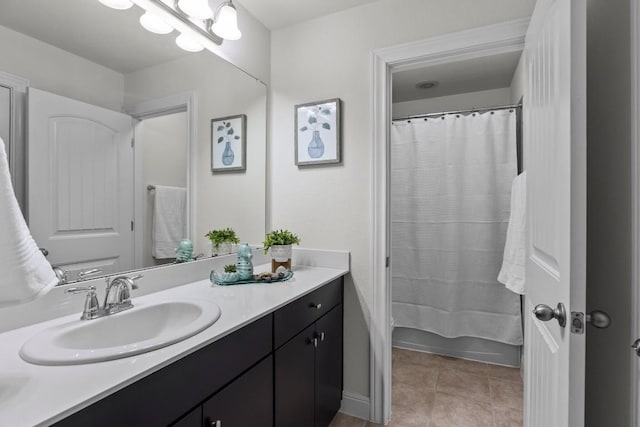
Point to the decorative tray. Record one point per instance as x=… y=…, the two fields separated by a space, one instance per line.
x=226 y=279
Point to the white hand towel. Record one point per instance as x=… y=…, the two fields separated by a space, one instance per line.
x=169 y=220
x=512 y=273
x=24 y=272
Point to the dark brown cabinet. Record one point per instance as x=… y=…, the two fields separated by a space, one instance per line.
x=248 y=401
x=328 y=370
x=284 y=369
x=308 y=367
x=295 y=381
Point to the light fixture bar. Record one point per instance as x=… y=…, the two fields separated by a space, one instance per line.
x=180 y=23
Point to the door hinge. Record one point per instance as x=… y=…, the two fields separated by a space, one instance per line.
x=388 y=262
x=133 y=142
x=132 y=226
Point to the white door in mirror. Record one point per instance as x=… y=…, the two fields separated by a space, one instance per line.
x=144 y=328
x=80 y=183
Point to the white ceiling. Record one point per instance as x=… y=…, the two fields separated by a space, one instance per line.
x=109 y=37
x=115 y=39
x=473 y=75
x=276 y=14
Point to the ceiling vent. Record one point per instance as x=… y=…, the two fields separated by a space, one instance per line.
x=427 y=85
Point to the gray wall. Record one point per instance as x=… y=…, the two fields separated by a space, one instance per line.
x=608 y=211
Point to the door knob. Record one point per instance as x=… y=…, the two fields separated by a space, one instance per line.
x=545 y=313
x=636 y=346
x=598 y=319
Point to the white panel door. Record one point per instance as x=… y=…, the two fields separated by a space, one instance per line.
x=80 y=183
x=555 y=157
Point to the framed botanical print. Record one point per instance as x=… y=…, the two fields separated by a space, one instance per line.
x=229 y=143
x=317 y=132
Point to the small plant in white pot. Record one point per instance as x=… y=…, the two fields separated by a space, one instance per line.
x=280 y=241
x=222 y=241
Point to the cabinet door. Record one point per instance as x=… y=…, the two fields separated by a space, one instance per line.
x=247 y=401
x=294 y=377
x=328 y=366
x=192 y=419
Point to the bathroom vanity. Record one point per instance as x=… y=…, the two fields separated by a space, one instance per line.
x=274 y=357
x=291 y=358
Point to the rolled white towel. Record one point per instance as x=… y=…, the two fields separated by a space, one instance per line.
x=24 y=272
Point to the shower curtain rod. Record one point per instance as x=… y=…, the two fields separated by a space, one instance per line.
x=472 y=110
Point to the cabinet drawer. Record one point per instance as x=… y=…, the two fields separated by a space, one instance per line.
x=299 y=314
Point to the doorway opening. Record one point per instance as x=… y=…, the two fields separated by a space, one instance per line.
x=457 y=330
x=468 y=45
x=169 y=122
x=163 y=143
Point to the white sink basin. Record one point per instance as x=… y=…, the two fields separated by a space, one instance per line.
x=138 y=330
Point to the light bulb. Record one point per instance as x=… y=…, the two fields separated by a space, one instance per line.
x=154 y=24
x=117 y=4
x=197 y=9
x=188 y=43
x=225 y=23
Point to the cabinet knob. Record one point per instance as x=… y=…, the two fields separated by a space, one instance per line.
x=216 y=423
x=316 y=306
x=313 y=341
x=321 y=336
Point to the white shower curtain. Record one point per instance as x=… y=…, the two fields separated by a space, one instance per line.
x=450 y=193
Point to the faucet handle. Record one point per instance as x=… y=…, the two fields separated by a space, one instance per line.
x=91 y=305
x=133 y=281
x=86 y=273
x=80 y=290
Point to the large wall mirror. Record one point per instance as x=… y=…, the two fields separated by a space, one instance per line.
x=97 y=113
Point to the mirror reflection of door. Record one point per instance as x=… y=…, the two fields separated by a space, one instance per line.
x=81 y=178
x=5 y=117
x=163 y=144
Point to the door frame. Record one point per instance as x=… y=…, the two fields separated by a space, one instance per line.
x=635 y=206
x=181 y=102
x=17 y=135
x=475 y=43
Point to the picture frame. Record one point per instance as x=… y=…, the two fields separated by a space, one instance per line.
x=318 y=132
x=229 y=143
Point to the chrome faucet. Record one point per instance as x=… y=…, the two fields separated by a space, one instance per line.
x=117 y=298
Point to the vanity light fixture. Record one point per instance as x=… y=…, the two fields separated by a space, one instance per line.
x=198 y=25
x=225 y=21
x=117 y=4
x=188 y=43
x=196 y=9
x=153 y=23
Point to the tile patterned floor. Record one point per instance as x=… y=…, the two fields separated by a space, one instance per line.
x=438 y=391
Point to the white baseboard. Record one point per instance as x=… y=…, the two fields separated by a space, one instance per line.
x=355 y=405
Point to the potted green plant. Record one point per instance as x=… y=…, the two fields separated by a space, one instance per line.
x=230 y=274
x=280 y=241
x=221 y=241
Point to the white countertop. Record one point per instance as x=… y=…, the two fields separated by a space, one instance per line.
x=40 y=395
